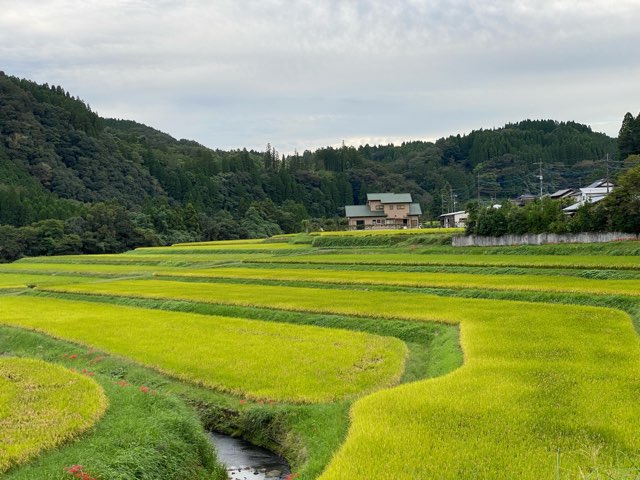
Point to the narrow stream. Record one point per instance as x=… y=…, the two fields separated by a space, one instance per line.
x=245 y=461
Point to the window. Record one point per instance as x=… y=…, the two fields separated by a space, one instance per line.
x=400 y=207
x=380 y=207
x=391 y=207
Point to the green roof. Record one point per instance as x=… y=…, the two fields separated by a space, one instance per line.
x=362 y=211
x=390 y=197
x=415 y=209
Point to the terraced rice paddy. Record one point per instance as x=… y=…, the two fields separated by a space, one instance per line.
x=19 y=280
x=205 y=248
x=41 y=406
x=165 y=259
x=6 y=271
x=261 y=360
x=540 y=261
x=414 y=279
x=546 y=390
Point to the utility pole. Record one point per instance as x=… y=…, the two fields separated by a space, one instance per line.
x=607 y=160
x=540 y=177
x=453 y=199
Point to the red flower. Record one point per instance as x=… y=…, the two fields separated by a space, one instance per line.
x=144 y=389
x=74 y=469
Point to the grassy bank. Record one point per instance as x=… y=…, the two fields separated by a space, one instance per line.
x=145 y=433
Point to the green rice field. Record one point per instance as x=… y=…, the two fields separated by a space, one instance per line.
x=355 y=363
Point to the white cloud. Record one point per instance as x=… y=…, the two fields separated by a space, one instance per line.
x=235 y=73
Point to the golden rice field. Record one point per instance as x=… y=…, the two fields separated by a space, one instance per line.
x=619 y=262
x=261 y=360
x=537 y=379
x=19 y=280
x=41 y=406
x=106 y=269
x=546 y=390
x=202 y=248
x=553 y=283
x=160 y=259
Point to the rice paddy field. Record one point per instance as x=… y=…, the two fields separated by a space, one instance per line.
x=41 y=406
x=376 y=361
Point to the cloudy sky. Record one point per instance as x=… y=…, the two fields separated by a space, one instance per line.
x=308 y=73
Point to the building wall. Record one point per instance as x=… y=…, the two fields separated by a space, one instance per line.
x=540 y=239
x=374 y=204
x=380 y=223
x=396 y=210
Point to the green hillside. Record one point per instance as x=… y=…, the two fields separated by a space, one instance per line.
x=113 y=184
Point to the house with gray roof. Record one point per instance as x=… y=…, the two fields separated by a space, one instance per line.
x=384 y=211
x=593 y=193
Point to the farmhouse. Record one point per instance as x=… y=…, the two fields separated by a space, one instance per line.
x=592 y=193
x=384 y=211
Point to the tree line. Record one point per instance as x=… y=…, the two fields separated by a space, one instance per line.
x=59 y=160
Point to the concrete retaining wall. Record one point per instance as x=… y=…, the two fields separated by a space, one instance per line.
x=540 y=239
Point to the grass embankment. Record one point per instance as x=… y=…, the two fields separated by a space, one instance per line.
x=40 y=408
x=479 y=260
x=416 y=279
x=261 y=360
x=541 y=384
x=145 y=434
x=400 y=232
x=383 y=238
x=247 y=241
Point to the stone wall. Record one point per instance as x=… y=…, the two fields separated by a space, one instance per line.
x=540 y=239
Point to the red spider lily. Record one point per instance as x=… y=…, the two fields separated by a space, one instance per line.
x=75 y=355
x=76 y=471
x=242 y=402
x=144 y=389
x=292 y=476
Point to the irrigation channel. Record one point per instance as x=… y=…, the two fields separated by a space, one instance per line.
x=245 y=461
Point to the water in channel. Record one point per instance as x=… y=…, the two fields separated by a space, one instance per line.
x=245 y=461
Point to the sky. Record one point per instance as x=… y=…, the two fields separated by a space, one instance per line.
x=310 y=73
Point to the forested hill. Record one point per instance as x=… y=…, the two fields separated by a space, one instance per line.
x=60 y=160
